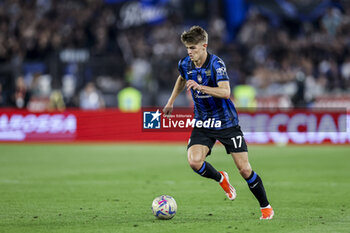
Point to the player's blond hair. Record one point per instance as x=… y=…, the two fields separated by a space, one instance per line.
x=195 y=35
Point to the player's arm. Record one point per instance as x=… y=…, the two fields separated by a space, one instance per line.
x=178 y=88
x=222 y=91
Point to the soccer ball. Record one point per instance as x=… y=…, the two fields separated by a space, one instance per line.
x=164 y=207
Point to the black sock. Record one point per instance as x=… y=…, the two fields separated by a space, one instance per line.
x=257 y=188
x=208 y=171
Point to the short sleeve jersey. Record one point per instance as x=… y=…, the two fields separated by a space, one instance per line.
x=206 y=106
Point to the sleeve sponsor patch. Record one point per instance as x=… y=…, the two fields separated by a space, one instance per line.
x=221 y=71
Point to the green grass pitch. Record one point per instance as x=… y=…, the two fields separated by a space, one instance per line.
x=110 y=188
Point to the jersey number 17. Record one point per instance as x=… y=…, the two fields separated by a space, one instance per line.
x=235 y=140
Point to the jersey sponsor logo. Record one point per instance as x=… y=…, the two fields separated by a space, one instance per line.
x=189 y=72
x=196 y=94
x=208 y=73
x=151 y=120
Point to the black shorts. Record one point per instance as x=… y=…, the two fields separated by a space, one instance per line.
x=232 y=138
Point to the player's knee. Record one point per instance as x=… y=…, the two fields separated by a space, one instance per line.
x=195 y=164
x=245 y=172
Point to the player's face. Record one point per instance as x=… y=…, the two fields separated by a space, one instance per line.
x=196 y=51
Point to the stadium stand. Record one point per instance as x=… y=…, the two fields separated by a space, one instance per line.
x=293 y=55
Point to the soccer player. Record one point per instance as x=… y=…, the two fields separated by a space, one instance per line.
x=205 y=75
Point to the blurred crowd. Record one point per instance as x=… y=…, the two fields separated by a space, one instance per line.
x=298 y=60
x=33 y=30
x=314 y=60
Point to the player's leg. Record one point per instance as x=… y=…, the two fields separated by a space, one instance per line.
x=233 y=140
x=196 y=155
x=199 y=147
x=254 y=181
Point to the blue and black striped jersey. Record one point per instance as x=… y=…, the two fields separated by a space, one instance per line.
x=206 y=106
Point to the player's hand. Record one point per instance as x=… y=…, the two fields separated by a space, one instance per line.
x=167 y=110
x=191 y=84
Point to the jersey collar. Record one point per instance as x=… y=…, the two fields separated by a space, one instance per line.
x=205 y=64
